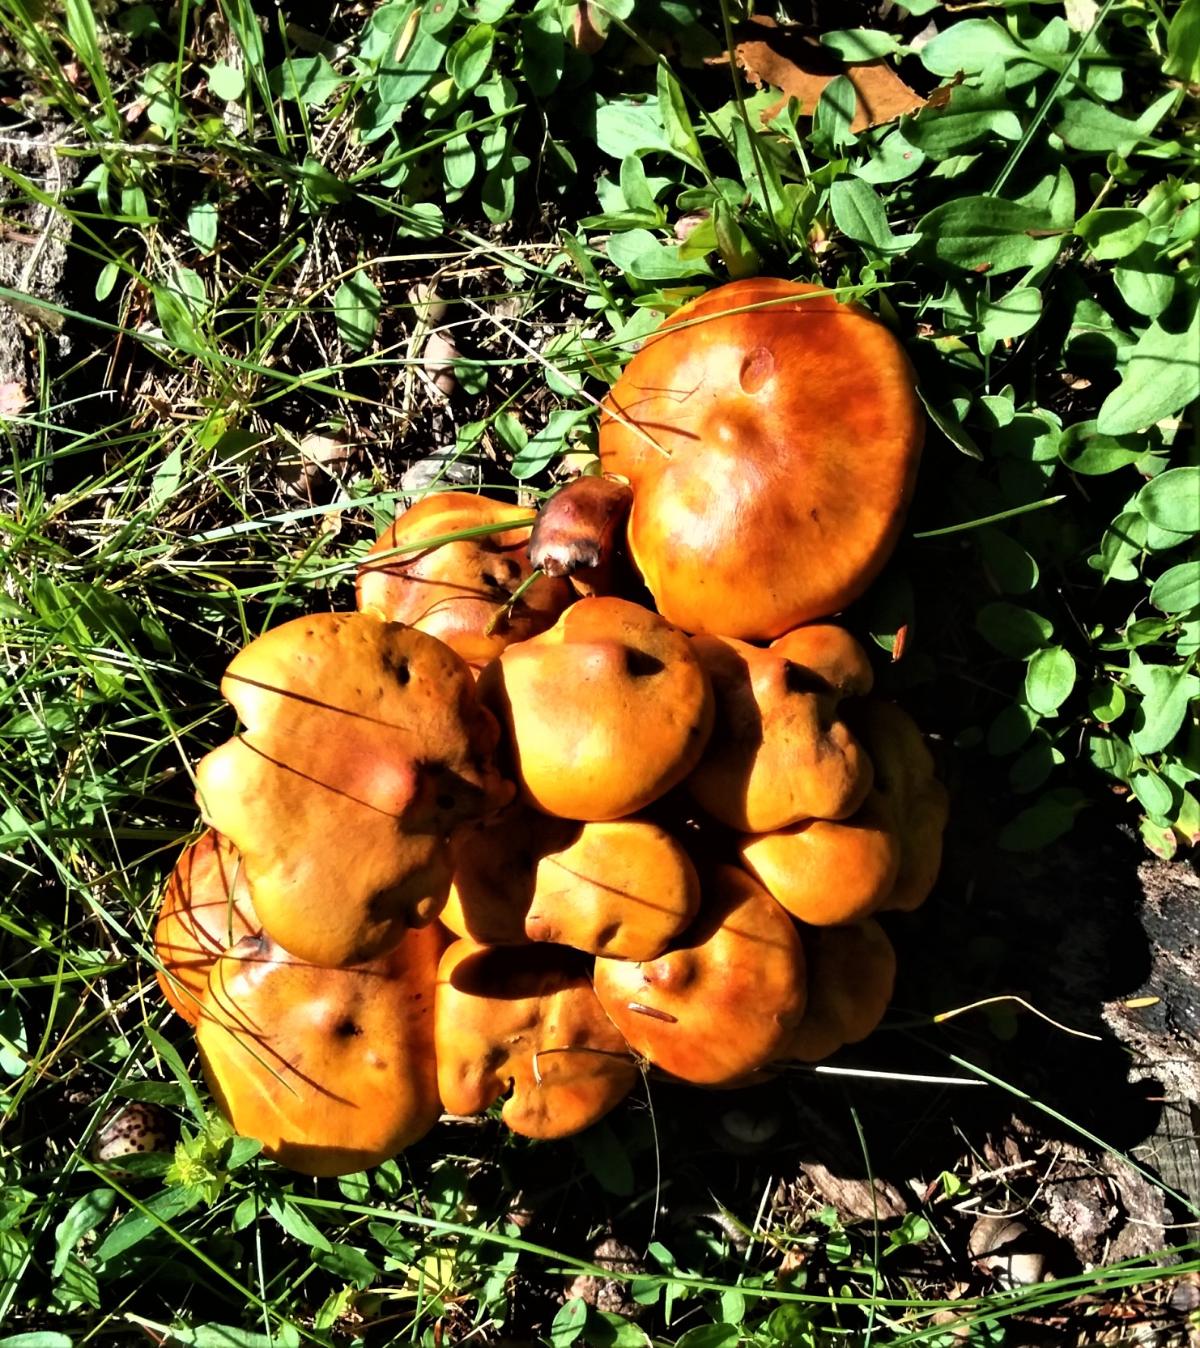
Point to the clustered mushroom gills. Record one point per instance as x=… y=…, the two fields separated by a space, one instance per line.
x=509 y=834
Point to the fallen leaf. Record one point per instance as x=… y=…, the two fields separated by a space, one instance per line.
x=12 y=399
x=788 y=58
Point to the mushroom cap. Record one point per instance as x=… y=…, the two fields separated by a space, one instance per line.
x=772 y=455
x=623 y=889
x=778 y=752
x=455 y=591
x=910 y=793
x=331 y=1069
x=362 y=747
x=206 y=908
x=851 y=975
x=525 y=1020
x=827 y=871
x=605 y=712
x=579 y=532
x=724 y=1000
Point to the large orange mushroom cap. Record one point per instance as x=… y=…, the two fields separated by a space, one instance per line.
x=851 y=976
x=331 y=1069
x=524 y=1020
x=724 y=1000
x=456 y=591
x=827 y=871
x=623 y=889
x=606 y=711
x=362 y=747
x=778 y=752
x=910 y=794
x=206 y=908
x=772 y=453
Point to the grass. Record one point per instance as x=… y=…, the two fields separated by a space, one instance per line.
x=254 y=218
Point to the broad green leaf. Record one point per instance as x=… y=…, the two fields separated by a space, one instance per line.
x=681 y=135
x=606 y=1330
x=356 y=305
x=969 y=45
x=1113 y=233
x=1008 y=564
x=893 y=160
x=1047 y=819
x=988 y=235
x=1183 y=44
x=468 y=59
x=1178 y=589
x=568 y=1323
x=546 y=444
x=1123 y=542
x=1083 y=451
x=710 y=1336
x=175 y=318
x=1161 y=376
x=1106 y=702
x=1011 y=315
x=1013 y=630
x=625 y=128
x=737 y=252
x=1172 y=500
x=1145 y=289
x=858 y=212
x=135 y=1226
x=1166 y=695
x=1152 y=792
x=225 y=82
x=543 y=50
x=862 y=44
x=1030 y=769
x=969 y=115
x=37 y=1338
x=639 y=253
x=1010 y=729
x=408 y=70
x=85 y=1214
x=320 y=186
x=305 y=79
x=1049 y=679
x=835 y=111
x=202 y=221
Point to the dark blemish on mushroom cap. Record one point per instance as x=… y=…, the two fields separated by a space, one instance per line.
x=757 y=367
x=639 y=664
x=347 y=1029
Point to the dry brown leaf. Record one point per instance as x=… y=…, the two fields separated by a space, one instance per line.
x=788 y=58
x=13 y=398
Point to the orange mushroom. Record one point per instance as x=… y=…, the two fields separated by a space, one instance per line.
x=460 y=592
x=605 y=712
x=771 y=436
x=206 y=908
x=623 y=889
x=910 y=794
x=525 y=1021
x=827 y=871
x=331 y=1069
x=363 y=746
x=725 y=999
x=778 y=753
x=851 y=975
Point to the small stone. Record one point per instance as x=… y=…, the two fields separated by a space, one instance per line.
x=132 y=1128
x=440 y=472
x=438 y=362
x=318 y=459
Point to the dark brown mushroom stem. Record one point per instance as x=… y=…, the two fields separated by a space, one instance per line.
x=579 y=530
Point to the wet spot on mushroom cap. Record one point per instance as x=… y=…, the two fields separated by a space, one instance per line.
x=757 y=368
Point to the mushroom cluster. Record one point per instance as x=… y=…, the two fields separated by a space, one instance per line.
x=518 y=826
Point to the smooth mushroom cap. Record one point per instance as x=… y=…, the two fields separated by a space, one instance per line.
x=362 y=747
x=605 y=712
x=623 y=889
x=331 y=1069
x=206 y=908
x=579 y=532
x=772 y=455
x=827 y=871
x=916 y=801
x=525 y=1021
x=456 y=591
x=778 y=752
x=725 y=999
x=851 y=976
